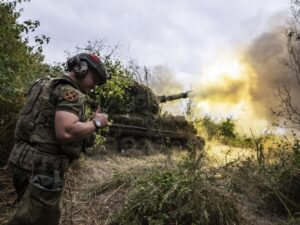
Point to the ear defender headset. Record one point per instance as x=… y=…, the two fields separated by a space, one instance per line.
x=81 y=63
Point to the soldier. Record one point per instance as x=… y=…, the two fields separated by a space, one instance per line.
x=50 y=133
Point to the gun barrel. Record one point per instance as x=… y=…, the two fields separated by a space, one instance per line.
x=164 y=98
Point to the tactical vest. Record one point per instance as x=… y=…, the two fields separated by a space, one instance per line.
x=35 y=126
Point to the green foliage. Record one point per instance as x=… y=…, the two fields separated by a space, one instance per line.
x=54 y=70
x=112 y=95
x=227 y=128
x=283 y=176
x=276 y=178
x=224 y=131
x=181 y=195
x=20 y=63
x=210 y=126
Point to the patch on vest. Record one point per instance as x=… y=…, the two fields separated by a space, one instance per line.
x=71 y=95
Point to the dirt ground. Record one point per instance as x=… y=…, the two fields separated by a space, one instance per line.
x=78 y=207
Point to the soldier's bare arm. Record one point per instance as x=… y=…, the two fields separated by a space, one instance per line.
x=69 y=128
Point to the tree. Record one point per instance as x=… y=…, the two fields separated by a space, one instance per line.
x=20 y=65
x=288 y=111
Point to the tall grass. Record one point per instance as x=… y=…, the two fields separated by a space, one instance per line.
x=183 y=194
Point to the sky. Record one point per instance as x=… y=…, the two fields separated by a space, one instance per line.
x=210 y=47
x=181 y=34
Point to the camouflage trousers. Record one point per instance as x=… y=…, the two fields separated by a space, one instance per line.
x=21 y=180
x=39 y=191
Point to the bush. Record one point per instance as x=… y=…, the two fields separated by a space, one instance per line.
x=224 y=131
x=227 y=128
x=284 y=179
x=210 y=127
x=182 y=195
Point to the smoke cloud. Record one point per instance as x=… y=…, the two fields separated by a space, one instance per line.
x=266 y=57
x=224 y=89
x=243 y=85
x=254 y=92
x=163 y=82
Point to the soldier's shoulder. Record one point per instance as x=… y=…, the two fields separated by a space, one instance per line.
x=65 y=86
x=70 y=93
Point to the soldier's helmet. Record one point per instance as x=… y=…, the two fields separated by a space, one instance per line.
x=82 y=62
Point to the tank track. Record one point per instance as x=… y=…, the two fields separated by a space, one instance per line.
x=133 y=130
x=138 y=131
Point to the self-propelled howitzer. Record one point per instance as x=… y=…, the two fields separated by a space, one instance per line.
x=139 y=125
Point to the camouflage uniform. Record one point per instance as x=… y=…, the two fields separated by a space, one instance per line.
x=39 y=161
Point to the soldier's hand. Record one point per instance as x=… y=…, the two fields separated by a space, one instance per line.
x=101 y=116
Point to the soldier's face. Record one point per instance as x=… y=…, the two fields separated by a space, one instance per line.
x=89 y=81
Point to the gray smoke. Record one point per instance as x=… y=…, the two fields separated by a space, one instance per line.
x=163 y=81
x=267 y=55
